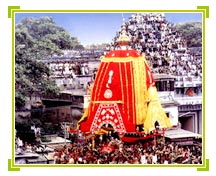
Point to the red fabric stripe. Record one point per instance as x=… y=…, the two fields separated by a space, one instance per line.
x=149 y=76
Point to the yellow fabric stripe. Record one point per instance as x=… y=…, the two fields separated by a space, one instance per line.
x=140 y=90
x=155 y=112
x=121 y=84
x=132 y=87
x=96 y=86
x=101 y=78
x=122 y=59
x=127 y=96
x=104 y=75
x=84 y=116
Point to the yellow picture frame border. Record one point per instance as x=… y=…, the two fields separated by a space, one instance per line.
x=200 y=9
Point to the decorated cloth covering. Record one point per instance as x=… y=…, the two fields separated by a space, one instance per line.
x=155 y=112
x=120 y=94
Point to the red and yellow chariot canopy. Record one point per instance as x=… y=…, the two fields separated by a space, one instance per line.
x=123 y=95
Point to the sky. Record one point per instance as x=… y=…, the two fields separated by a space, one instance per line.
x=99 y=28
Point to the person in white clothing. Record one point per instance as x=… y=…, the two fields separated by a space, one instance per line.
x=143 y=159
x=154 y=158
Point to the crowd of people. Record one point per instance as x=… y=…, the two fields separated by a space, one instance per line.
x=112 y=150
x=73 y=62
x=163 y=47
x=157 y=39
x=66 y=68
x=25 y=147
x=117 y=152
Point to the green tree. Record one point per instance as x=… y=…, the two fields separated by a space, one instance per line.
x=191 y=32
x=36 y=39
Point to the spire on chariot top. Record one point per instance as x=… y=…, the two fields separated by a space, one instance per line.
x=123 y=41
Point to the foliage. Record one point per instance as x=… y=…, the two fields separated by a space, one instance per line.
x=36 y=39
x=24 y=131
x=79 y=47
x=191 y=32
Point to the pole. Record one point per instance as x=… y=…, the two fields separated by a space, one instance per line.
x=155 y=137
x=66 y=127
x=65 y=133
x=93 y=140
x=93 y=143
x=163 y=136
x=155 y=142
